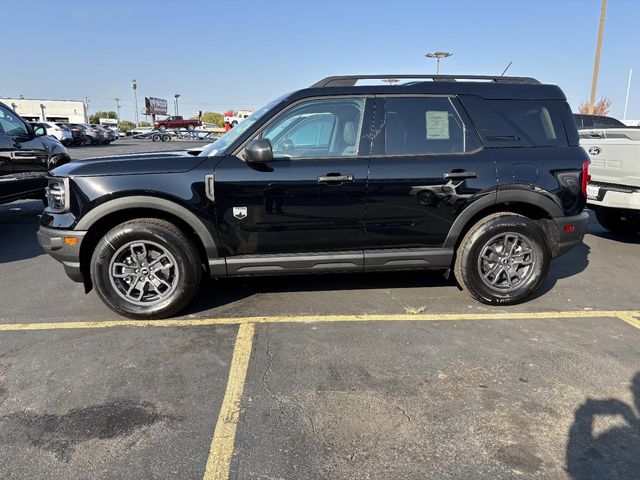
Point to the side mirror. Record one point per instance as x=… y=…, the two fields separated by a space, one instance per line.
x=39 y=131
x=259 y=151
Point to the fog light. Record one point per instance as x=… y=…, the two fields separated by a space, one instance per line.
x=569 y=228
x=74 y=240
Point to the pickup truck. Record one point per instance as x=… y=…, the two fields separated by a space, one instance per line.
x=176 y=122
x=613 y=190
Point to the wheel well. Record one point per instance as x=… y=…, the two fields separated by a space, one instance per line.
x=539 y=215
x=106 y=223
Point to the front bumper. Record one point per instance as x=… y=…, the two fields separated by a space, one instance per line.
x=568 y=240
x=53 y=242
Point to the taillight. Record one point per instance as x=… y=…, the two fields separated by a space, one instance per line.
x=585 y=177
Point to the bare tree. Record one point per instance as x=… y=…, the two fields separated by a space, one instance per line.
x=601 y=107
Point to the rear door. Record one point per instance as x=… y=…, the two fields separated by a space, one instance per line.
x=311 y=197
x=426 y=167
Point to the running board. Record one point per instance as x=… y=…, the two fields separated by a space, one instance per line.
x=324 y=262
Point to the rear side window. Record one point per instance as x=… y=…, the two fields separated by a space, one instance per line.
x=517 y=123
x=424 y=125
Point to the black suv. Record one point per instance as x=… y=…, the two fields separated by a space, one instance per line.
x=480 y=175
x=26 y=155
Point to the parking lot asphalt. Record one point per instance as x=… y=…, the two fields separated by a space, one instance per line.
x=396 y=375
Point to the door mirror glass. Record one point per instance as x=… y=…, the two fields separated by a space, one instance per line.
x=259 y=151
x=39 y=131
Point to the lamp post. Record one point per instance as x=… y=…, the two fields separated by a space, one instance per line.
x=118 y=108
x=15 y=107
x=43 y=108
x=438 y=56
x=134 y=87
x=175 y=102
x=596 y=64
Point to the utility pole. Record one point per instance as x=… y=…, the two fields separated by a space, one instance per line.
x=626 y=100
x=175 y=103
x=118 y=108
x=134 y=87
x=596 y=66
x=86 y=112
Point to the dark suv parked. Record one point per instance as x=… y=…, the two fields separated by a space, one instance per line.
x=26 y=154
x=480 y=175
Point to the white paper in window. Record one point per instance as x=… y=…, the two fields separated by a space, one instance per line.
x=437 y=125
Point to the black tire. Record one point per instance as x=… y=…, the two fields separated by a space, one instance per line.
x=618 y=220
x=191 y=128
x=155 y=137
x=469 y=267
x=156 y=232
x=234 y=124
x=165 y=138
x=162 y=128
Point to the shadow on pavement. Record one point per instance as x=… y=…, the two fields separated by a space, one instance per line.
x=613 y=453
x=18 y=227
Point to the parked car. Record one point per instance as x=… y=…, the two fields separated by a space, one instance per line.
x=61 y=134
x=485 y=179
x=27 y=153
x=77 y=133
x=596 y=121
x=176 y=122
x=139 y=131
x=108 y=136
x=614 y=187
x=92 y=136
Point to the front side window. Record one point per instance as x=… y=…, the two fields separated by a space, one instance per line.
x=424 y=125
x=318 y=128
x=11 y=124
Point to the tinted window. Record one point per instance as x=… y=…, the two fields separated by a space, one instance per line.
x=11 y=124
x=318 y=128
x=517 y=123
x=602 y=122
x=424 y=125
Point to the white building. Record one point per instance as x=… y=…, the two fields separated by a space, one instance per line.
x=71 y=111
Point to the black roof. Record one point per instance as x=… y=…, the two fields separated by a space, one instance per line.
x=493 y=87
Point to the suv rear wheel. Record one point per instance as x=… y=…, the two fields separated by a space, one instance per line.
x=146 y=268
x=503 y=259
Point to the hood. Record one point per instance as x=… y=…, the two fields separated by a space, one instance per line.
x=135 y=164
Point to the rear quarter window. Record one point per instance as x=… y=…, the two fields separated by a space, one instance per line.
x=517 y=123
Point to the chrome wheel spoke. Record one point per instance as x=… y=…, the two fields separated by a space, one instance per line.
x=506 y=262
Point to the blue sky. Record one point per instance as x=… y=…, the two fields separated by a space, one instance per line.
x=238 y=54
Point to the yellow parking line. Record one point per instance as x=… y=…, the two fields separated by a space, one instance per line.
x=196 y=322
x=630 y=319
x=224 y=436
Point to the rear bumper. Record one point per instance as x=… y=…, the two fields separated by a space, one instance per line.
x=569 y=239
x=53 y=242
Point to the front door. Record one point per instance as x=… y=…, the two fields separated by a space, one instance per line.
x=23 y=157
x=427 y=165
x=311 y=197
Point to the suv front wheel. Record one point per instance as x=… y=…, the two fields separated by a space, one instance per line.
x=146 y=268
x=503 y=259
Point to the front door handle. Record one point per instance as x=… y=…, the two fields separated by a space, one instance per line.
x=459 y=175
x=335 y=179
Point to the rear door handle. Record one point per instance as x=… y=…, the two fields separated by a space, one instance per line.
x=459 y=175
x=335 y=179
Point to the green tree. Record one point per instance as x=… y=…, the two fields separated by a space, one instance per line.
x=145 y=124
x=213 y=117
x=126 y=125
x=95 y=118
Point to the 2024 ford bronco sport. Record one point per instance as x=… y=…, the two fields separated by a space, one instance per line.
x=481 y=175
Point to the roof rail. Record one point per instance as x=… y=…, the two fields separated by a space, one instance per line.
x=351 y=80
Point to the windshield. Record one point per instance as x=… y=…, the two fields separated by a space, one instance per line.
x=219 y=147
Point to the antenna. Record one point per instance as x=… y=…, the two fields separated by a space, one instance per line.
x=505 y=70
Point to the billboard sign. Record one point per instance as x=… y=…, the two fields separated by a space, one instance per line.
x=155 y=106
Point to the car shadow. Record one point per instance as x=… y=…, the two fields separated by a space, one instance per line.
x=18 y=226
x=610 y=454
x=232 y=289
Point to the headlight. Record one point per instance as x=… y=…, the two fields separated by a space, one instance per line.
x=57 y=193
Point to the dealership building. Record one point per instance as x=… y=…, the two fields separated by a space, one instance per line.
x=71 y=111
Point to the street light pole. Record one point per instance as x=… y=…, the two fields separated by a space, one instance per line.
x=438 y=56
x=626 y=99
x=175 y=102
x=43 y=108
x=118 y=108
x=596 y=65
x=134 y=87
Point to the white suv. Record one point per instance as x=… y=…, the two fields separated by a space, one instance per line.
x=63 y=135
